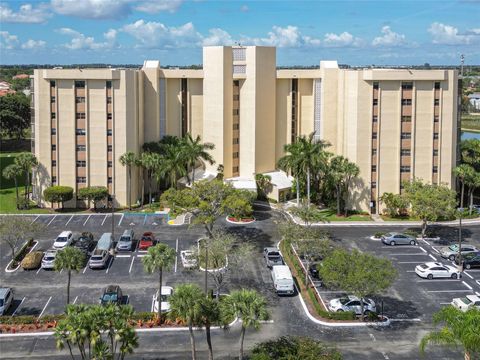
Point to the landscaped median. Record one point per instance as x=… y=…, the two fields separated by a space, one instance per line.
x=26 y=248
x=312 y=301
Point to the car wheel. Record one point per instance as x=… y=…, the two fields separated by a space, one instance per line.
x=454 y=276
x=468 y=266
x=430 y=277
x=392 y=243
x=451 y=257
x=412 y=242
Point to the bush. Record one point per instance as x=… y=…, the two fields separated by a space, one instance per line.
x=93 y=193
x=23 y=204
x=379 y=234
x=22 y=252
x=58 y=194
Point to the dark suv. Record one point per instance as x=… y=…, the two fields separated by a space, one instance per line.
x=470 y=260
x=112 y=294
x=85 y=242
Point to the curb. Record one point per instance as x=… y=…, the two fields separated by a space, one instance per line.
x=241 y=222
x=11 y=271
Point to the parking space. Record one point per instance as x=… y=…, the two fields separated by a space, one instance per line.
x=155 y=220
x=132 y=220
x=99 y=220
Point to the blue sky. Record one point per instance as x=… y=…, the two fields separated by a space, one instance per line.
x=304 y=32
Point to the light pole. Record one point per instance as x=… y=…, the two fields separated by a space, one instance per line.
x=112 y=198
x=460 y=265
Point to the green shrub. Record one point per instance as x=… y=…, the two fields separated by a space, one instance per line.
x=379 y=234
x=412 y=233
x=58 y=194
x=22 y=252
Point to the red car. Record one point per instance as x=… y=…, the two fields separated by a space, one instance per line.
x=147 y=240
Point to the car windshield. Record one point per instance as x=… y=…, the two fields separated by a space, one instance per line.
x=453 y=247
x=423 y=266
x=466 y=300
x=124 y=239
x=61 y=239
x=96 y=257
x=343 y=301
x=49 y=257
x=110 y=297
x=164 y=298
x=273 y=256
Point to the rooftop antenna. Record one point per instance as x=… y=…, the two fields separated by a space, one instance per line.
x=462 y=61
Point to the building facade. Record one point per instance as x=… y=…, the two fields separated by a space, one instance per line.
x=395 y=124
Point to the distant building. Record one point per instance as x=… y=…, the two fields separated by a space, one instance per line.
x=4 y=92
x=21 y=76
x=475 y=100
x=4 y=85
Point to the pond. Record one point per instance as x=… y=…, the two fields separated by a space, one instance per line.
x=470 y=135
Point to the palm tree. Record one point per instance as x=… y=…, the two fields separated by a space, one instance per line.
x=26 y=161
x=263 y=185
x=459 y=329
x=208 y=310
x=139 y=164
x=11 y=172
x=173 y=164
x=194 y=150
x=69 y=259
x=159 y=257
x=250 y=307
x=291 y=163
x=183 y=305
x=129 y=160
x=149 y=162
x=463 y=172
x=473 y=183
x=342 y=172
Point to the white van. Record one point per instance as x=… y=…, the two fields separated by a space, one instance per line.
x=282 y=280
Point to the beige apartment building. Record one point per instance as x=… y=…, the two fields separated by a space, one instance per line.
x=396 y=124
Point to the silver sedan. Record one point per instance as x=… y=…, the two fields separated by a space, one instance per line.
x=395 y=238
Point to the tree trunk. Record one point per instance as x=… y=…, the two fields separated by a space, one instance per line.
x=192 y=340
x=338 y=199
x=308 y=187
x=242 y=337
x=298 y=191
x=160 y=296
x=206 y=266
x=306 y=273
x=467 y=355
x=28 y=185
x=143 y=188
x=193 y=174
x=129 y=187
x=461 y=196
x=424 y=227
x=362 y=308
x=68 y=286
x=16 y=189
x=209 y=341
x=471 y=190
x=149 y=188
x=346 y=201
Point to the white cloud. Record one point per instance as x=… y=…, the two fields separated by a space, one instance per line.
x=389 y=38
x=341 y=40
x=449 y=35
x=112 y=9
x=157 y=35
x=8 y=41
x=283 y=37
x=79 y=41
x=217 y=37
x=26 y=14
x=33 y=44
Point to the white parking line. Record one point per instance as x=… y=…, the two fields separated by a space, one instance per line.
x=141 y=255
x=122 y=256
x=127 y=300
x=35 y=219
x=105 y=218
x=442 y=280
x=88 y=218
x=51 y=220
x=410 y=271
x=426 y=242
x=153 y=300
x=447 y=291
x=109 y=264
x=120 y=219
x=331 y=292
x=433 y=257
x=408 y=262
x=417 y=254
x=477 y=281
x=176 y=255
x=74 y=301
x=18 y=307
x=48 y=302
x=40 y=268
x=61 y=271
x=422 y=249
x=470 y=276
x=131 y=264
x=468 y=286
x=144 y=220
x=71 y=217
x=438 y=252
x=85 y=269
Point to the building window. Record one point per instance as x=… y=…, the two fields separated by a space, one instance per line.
x=52 y=99
x=375 y=118
x=109 y=132
x=375 y=85
x=110 y=180
x=81 y=147
x=407 y=86
x=54 y=147
x=109 y=116
x=374 y=168
x=239 y=69
x=53 y=116
x=236 y=126
x=80 y=115
x=436 y=102
x=109 y=148
x=235 y=169
x=435 y=152
x=54 y=131
x=404 y=169
x=54 y=179
x=52 y=83
x=239 y=54
x=235 y=155
x=54 y=163
x=236 y=141
x=81 y=163
x=436 y=118
x=79 y=84
x=406 y=101
x=236 y=111
x=405 y=152
x=375 y=102
x=80 y=132
x=406 y=135
x=374 y=184
x=435 y=169
x=437 y=86
x=236 y=97
x=374 y=135
x=109 y=99
x=406 y=119
x=79 y=99
x=81 y=179
x=109 y=84
x=374 y=152
x=109 y=164
x=435 y=136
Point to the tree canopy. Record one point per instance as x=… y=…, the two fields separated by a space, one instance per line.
x=14 y=115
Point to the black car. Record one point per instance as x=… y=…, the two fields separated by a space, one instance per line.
x=112 y=294
x=85 y=242
x=471 y=260
x=313 y=270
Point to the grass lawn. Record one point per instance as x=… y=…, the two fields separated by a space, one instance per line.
x=332 y=216
x=471 y=123
x=399 y=218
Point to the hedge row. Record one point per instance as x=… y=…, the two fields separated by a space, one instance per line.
x=22 y=252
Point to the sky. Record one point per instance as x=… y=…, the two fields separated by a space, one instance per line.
x=174 y=31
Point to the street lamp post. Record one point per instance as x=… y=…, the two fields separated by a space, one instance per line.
x=460 y=265
x=112 y=198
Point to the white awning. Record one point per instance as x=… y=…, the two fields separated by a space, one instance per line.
x=280 y=179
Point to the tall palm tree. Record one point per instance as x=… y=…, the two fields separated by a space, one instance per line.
x=128 y=159
x=459 y=329
x=194 y=150
x=26 y=161
x=150 y=162
x=291 y=163
x=342 y=172
x=69 y=259
x=139 y=164
x=208 y=310
x=159 y=257
x=250 y=307
x=11 y=172
x=473 y=184
x=264 y=182
x=463 y=173
x=183 y=305
x=173 y=164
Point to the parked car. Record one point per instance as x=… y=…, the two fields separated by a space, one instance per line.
x=6 y=299
x=126 y=241
x=352 y=303
x=32 y=260
x=147 y=240
x=313 y=270
x=449 y=252
x=476 y=208
x=64 y=239
x=189 y=261
x=48 y=261
x=167 y=291
x=85 y=242
x=282 y=280
x=272 y=256
x=99 y=259
x=395 y=238
x=466 y=303
x=112 y=294
x=432 y=270
x=105 y=242
x=470 y=260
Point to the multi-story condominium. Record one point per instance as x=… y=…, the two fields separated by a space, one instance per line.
x=395 y=124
